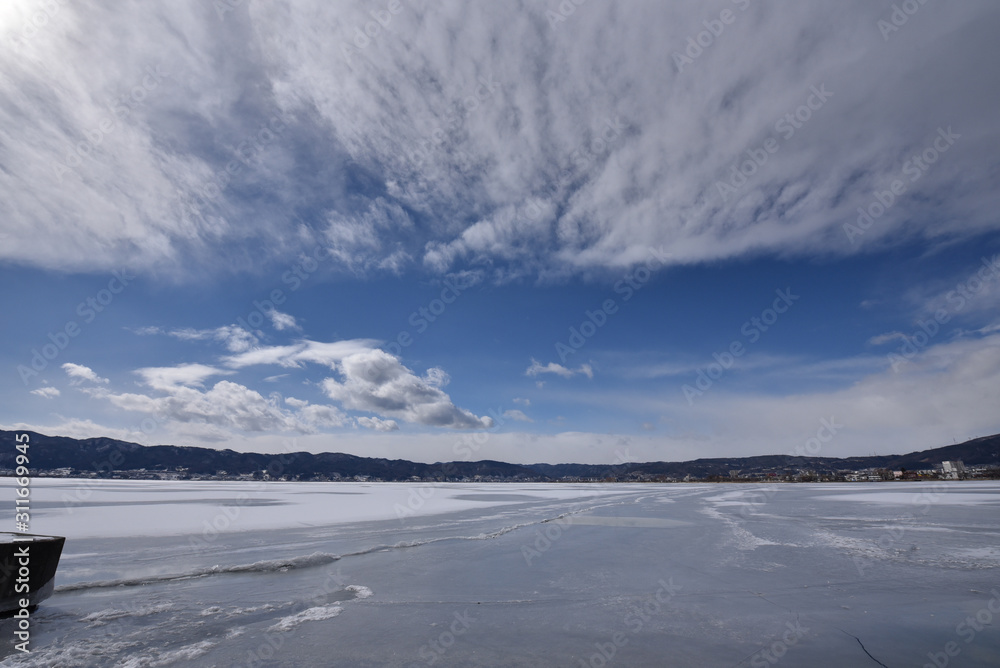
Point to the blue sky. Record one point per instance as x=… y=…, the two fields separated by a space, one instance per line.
x=650 y=231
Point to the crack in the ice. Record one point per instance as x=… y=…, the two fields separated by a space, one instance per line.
x=865 y=649
x=777 y=605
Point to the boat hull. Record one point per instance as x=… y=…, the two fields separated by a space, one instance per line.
x=42 y=559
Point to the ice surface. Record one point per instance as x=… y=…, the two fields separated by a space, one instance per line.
x=314 y=614
x=355 y=574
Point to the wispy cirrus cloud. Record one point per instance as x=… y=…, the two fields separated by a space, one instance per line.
x=537 y=369
x=293 y=355
x=235 y=338
x=504 y=153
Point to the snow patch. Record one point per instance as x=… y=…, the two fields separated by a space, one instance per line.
x=315 y=614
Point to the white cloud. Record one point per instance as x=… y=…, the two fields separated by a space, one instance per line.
x=327 y=354
x=225 y=407
x=945 y=392
x=79 y=374
x=517 y=415
x=512 y=145
x=537 y=368
x=281 y=321
x=75 y=428
x=226 y=404
x=47 y=392
x=376 y=382
x=235 y=338
x=317 y=415
x=886 y=338
x=521 y=401
x=938 y=394
x=167 y=379
x=372 y=381
x=362 y=241
x=378 y=424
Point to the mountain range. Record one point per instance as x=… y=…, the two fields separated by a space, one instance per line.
x=107 y=457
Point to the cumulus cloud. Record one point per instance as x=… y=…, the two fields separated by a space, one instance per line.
x=371 y=380
x=378 y=424
x=538 y=368
x=376 y=382
x=79 y=374
x=317 y=415
x=281 y=321
x=47 y=392
x=512 y=151
x=517 y=415
x=180 y=398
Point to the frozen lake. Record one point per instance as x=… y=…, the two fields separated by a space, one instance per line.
x=413 y=574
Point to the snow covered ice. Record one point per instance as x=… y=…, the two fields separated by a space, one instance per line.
x=401 y=574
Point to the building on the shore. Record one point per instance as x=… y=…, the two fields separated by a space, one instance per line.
x=954 y=470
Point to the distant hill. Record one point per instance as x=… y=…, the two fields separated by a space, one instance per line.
x=106 y=456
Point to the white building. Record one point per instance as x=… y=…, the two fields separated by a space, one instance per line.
x=953 y=470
